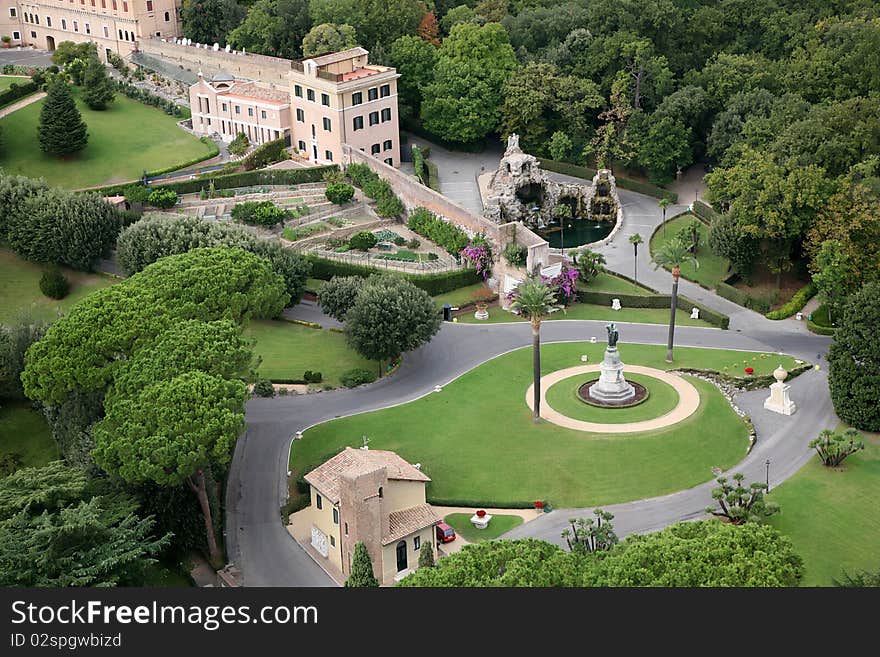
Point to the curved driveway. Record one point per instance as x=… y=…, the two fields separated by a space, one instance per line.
x=266 y=554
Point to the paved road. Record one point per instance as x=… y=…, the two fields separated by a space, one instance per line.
x=26 y=57
x=267 y=556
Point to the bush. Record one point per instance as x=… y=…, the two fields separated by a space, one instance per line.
x=264 y=388
x=357 y=377
x=162 y=198
x=399 y=241
x=239 y=145
x=378 y=189
x=798 y=301
x=339 y=192
x=515 y=254
x=268 y=153
x=312 y=377
x=16 y=91
x=362 y=241
x=53 y=284
x=136 y=194
x=443 y=233
x=259 y=213
x=301 y=232
x=414 y=243
x=433 y=284
x=390 y=207
x=360 y=174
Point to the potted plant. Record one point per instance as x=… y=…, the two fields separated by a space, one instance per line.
x=481 y=513
x=539 y=505
x=482 y=297
x=6 y=40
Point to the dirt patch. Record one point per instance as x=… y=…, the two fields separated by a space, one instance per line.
x=763 y=286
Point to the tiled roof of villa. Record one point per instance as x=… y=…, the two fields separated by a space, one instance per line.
x=354 y=462
x=406 y=521
x=253 y=91
x=341 y=56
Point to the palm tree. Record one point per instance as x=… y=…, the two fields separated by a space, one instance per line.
x=664 y=203
x=635 y=239
x=671 y=255
x=534 y=300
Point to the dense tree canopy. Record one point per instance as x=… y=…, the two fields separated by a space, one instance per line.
x=273 y=27
x=328 y=37
x=210 y=21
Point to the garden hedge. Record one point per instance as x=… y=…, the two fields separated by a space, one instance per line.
x=653 y=301
x=16 y=91
x=477 y=504
x=798 y=301
x=271 y=151
x=624 y=183
x=433 y=284
x=759 y=382
x=213 y=151
x=705 y=212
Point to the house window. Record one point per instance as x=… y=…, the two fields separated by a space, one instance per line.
x=262 y=114
x=417 y=543
x=302 y=145
x=103 y=4
x=124 y=6
x=326 y=124
x=16 y=36
x=389 y=161
x=76 y=26
x=238 y=109
x=346 y=529
x=250 y=111
x=329 y=157
x=385 y=90
x=386 y=145
x=33 y=35
x=380 y=491
x=358 y=123
x=373 y=94
x=313 y=133
x=357 y=98
x=374 y=149
x=149 y=5
x=386 y=114
x=48 y=21
x=167 y=16
x=310 y=95
x=297 y=91
x=325 y=100
x=374 y=118
x=224 y=107
x=120 y=35
x=335 y=510
x=64 y=26
x=300 y=116
x=332 y=541
x=114 y=5
x=88 y=29
x=318 y=501
x=37 y=20
x=12 y=13
x=106 y=32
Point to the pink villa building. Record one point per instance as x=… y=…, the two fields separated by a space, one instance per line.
x=332 y=100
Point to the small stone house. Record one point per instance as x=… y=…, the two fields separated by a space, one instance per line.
x=376 y=497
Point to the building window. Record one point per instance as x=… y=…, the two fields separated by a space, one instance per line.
x=238 y=109
x=16 y=36
x=297 y=91
x=329 y=157
x=37 y=20
x=76 y=26
x=373 y=94
x=374 y=149
x=310 y=95
x=386 y=145
x=335 y=516
x=332 y=541
x=300 y=116
x=386 y=114
x=318 y=501
x=346 y=529
x=357 y=98
x=114 y=5
x=167 y=16
x=125 y=6
x=326 y=124
x=88 y=29
x=224 y=107
x=380 y=491
x=64 y=25
x=389 y=161
x=33 y=35
x=149 y=5
x=374 y=118
x=262 y=114
x=48 y=21
x=103 y=4
x=120 y=35
x=302 y=145
x=385 y=90
x=325 y=100
x=12 y=12
x=358 y=123
x=250 y=111
x=106 y=32
x=417 y=543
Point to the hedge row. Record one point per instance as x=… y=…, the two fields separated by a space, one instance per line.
x=759 y=382
x=227 y=181
x=265 y=154
x=798 y=301
x=213 y=152
x=704 y=212
x=820 y=330
x=433 y=284
x=479 y=504
x=16 y=91
x=624 y=183
x=742 y=299
x=653 y=301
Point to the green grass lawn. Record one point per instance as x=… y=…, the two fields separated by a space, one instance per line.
x=562 y=397
x=25 y=434
x=500 y=524
x=6 y=82
x=459 y=297
x=287 y=350
x=592 y=311
x=20 y=295
x=476 y=439
x=314 y=284
x=124 y=141
x=605 y=282
x=832 y=515
x=712 y=269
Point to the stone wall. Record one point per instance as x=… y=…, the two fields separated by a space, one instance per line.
x=270 y=70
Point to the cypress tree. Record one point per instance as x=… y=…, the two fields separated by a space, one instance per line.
x=361 y=569
x=61 y=130
x=426 y=555
x=97 y=88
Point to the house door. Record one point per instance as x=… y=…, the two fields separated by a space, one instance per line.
x=401 y=556
x=50 y=43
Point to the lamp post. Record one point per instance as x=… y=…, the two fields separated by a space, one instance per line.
x=767 y=463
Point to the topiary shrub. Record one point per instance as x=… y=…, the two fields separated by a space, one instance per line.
x=356 y=377
x=259 y=213
x=339 y=192
x=162 y=198
x=362 y=241
x=53 y=284
x=264 y=388
x=312 y=377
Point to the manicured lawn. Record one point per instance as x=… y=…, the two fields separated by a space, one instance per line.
x=461 y=523
x=832 y=515
x=460 y=296
x=712 y=269
x=20 y=295
x=25 y=434
x=314 y=284
x=562 y=397
x=476 y=439
x=124 y=141
x=592 y=311
x=287 y=350
x=605 y=282
x=6 y=82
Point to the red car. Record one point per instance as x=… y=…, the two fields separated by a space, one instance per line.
x=445 y=533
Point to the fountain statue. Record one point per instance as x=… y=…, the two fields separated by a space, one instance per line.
x=611 y=388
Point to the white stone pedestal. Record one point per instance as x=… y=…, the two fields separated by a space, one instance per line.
x=611 y=386
x=779 y=400
x=481 y=523
x=482 y=313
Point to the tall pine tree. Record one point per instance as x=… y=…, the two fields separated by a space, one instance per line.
x=97 y=88
x=61 y=130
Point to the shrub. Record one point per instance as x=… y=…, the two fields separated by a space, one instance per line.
x=339 y=192
x=360 y=174
x=136 y=194
x=162 y=198
x=16 y=91
x=239 y=145
x=264 y=388
x=515 y=254
x=268 y=153
x=300 y=232
x=362 y=241
x=53 y=284
x=433 y=284
x=399 y=241
x=259 y=213
x=377 y=189
x=798 y=301
x=356 y=377
x=414 y=243
x=390 y=207
x=443 y=233
x=339 y=294
x=312 y=377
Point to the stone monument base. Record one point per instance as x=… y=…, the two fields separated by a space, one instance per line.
x=611 y=388
x=779 y=400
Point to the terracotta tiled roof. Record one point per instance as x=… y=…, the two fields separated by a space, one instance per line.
x=340 y=56
x=355 y=462
x=406 y=521
x=251 y=90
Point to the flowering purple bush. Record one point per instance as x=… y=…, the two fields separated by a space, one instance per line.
x=478 y=253
x=564 y=285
